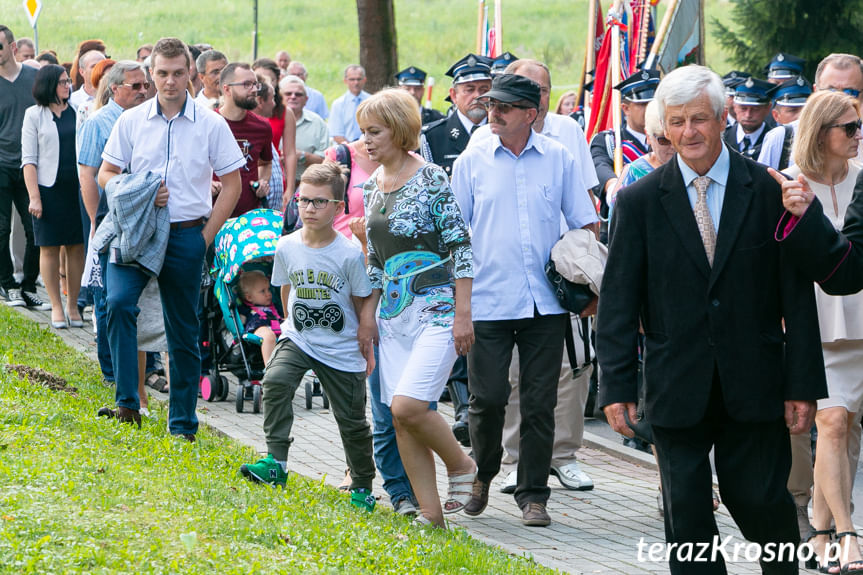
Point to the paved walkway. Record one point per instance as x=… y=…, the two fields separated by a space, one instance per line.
x=594 y=531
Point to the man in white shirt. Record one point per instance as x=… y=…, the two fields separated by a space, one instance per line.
x=87 y=91
x=210 y=65
x=178 y=138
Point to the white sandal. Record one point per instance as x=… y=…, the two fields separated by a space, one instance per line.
x=459 y=492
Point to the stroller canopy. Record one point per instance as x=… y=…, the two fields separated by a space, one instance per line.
x=242 y=239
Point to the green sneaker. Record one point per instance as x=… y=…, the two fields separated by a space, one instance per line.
x=363 y=498
x=265 y=470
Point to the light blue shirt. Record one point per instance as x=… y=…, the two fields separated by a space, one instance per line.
x=316 y=103
x=94 y=133
x=718 y=175
x=343 y=116
x=513 y=205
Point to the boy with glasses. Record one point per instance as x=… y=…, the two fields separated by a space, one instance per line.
x=323 y=288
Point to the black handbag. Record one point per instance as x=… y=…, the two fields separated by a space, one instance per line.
x=573 y=297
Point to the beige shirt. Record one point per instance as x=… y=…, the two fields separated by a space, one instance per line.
x=839 y=317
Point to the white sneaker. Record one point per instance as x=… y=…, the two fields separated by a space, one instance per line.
x=572 y=477
x=510 y=482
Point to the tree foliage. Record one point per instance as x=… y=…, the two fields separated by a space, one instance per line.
x=810 y=29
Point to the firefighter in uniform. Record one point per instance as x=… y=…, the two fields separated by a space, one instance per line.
x=413 y=80
x=752 y=103
x=635 y=92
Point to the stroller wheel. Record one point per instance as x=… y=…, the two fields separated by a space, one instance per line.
x=326 y=399
x=309 y=393
x=209 y=388
x=240 y=399
x=257 y=396
x=224 y=388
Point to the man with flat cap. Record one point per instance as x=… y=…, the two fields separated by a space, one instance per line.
x=441 y=143
x=512 y=188
x=730 y=81
x=784 y=67
x=752 y=108
x=636 y=92
x=788 y=101
x=413 y=80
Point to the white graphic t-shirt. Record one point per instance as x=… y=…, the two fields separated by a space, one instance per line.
x=319 y=313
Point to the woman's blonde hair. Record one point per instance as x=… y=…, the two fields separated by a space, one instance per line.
x=398 y=111
x=822 y=110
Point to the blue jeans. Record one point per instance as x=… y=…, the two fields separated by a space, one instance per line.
x=179 y=284
x=100 y=313
x=387 y=458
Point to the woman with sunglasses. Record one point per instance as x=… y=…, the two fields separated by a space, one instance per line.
x=660 y=151
x=51 y=175
x=421 y=266
x=827 y=140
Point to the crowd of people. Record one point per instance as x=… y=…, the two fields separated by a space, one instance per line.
x=412 y=266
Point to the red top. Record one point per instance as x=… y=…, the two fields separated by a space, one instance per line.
x=278 y=127
x=253 y=137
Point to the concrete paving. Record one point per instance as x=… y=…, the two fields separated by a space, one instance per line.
x=594 y=531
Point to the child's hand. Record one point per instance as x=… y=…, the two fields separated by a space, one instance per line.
x=367 y=337
x=358 y=228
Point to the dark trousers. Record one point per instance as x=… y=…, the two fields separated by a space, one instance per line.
x=540 y=352
x=179 y=284
x=753 y=460
x=13 y=192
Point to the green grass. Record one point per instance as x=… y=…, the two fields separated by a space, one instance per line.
x=85 y=495
x=432 y=34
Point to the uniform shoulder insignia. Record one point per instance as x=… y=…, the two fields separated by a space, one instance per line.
x=431 y=126
x=454 y=133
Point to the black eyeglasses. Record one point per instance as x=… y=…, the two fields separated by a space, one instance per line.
x=138 y=85
x=248 y=84
x=849 y=91
x=319 y=203
x=502 y=107
x=850 y=128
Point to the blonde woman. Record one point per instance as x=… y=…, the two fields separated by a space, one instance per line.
x=421 y=266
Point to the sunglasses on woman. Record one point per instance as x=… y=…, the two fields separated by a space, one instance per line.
x=662 y=140
x=850 y=127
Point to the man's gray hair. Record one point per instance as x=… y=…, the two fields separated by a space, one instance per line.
x=291 y=79
x=685 y=84
x=208 y=56
x=116 y=75
x=838 y=61
x=353 y=67
x=21 y=42
x=86 y=56
x=297 y=68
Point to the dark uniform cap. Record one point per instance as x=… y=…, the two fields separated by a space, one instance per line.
x=793 y=92
x=639 y=87
x=513 y=88
x=411 y=76
x=784 y=66
x=753 y=92
x=501 y=62
x=731 y=79
x=470 y=69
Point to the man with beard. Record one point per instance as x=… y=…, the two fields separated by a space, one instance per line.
x=239 y=96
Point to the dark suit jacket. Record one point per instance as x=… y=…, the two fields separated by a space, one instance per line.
x=443 y=141
x=697 y=318
x=831 y=258
x=730 y=137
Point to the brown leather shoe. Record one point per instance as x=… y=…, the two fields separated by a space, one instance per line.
x=187 y=436
x=535 y=515
x=122 y=414
x=479 y=498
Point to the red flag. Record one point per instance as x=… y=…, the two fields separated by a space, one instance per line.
x=600 y=106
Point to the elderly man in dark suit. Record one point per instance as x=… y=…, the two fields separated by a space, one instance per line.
x=693 y=261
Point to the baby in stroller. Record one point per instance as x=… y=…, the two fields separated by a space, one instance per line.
x=257 y=311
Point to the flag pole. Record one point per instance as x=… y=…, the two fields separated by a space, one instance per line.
x=498 y=26
x=661 y=34
x=479 y=30
x=702 y=39
x=615 y=79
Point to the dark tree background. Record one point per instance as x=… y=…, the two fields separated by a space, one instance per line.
x=809 y=29
x=378 y=55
